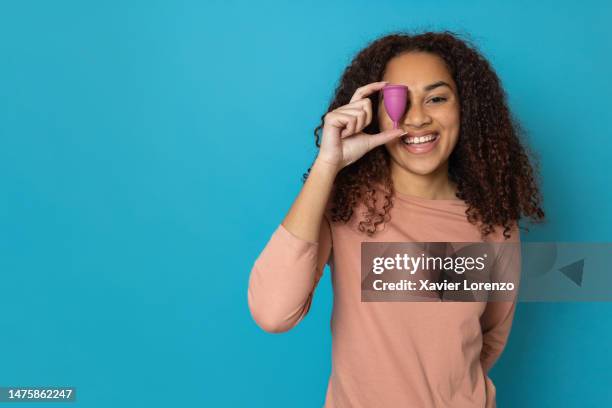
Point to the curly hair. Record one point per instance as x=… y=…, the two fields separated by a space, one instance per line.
x=489 y=164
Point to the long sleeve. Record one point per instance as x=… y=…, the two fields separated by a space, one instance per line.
x=496 y=320
x=284 y=277
x=496 y=323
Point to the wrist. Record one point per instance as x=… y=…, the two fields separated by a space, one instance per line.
x=326 y=167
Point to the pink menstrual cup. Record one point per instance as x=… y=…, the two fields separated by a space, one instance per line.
x=394 y=98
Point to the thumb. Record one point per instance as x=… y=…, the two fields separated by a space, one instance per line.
x=385 y=136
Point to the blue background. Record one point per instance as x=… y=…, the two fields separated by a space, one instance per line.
x=148 y=150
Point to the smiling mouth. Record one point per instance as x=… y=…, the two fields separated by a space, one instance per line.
x=420 y=140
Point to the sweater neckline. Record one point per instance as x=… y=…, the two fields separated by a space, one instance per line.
x=430 y=201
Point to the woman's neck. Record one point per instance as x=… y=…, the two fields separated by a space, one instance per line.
x=433 y=186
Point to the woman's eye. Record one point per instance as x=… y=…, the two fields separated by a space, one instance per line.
x=438 y=98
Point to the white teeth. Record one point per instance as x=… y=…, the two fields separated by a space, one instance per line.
x=420 y=139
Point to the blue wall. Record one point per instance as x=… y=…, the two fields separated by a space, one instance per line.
x=148 y=150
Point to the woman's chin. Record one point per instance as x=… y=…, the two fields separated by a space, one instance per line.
x=422 y=166
x=422 y=170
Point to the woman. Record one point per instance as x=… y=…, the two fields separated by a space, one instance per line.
x=455 y=171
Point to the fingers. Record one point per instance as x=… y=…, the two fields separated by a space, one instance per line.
x=362 y=109
x=367 y=90
x=363 y=104
x=349 y=121
x=359 y=114
x=353 y=117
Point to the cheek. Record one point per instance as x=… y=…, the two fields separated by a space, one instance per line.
x=452 y=135
x=450 y=122
x=394 y=148
x=449 y=117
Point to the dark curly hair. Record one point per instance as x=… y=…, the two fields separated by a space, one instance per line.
x=489 y=164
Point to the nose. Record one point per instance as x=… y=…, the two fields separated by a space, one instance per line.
x=416 y=116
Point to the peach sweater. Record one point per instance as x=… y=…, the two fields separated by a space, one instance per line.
x=387 y=354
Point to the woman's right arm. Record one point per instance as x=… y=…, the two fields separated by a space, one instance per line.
x=287 y=271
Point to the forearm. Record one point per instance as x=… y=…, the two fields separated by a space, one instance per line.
x=500 y=316
x=285 y=274
x=306 y=213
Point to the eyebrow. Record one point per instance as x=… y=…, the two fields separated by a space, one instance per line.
x=429 y=87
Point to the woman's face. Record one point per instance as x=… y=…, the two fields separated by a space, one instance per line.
x=432 y=107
